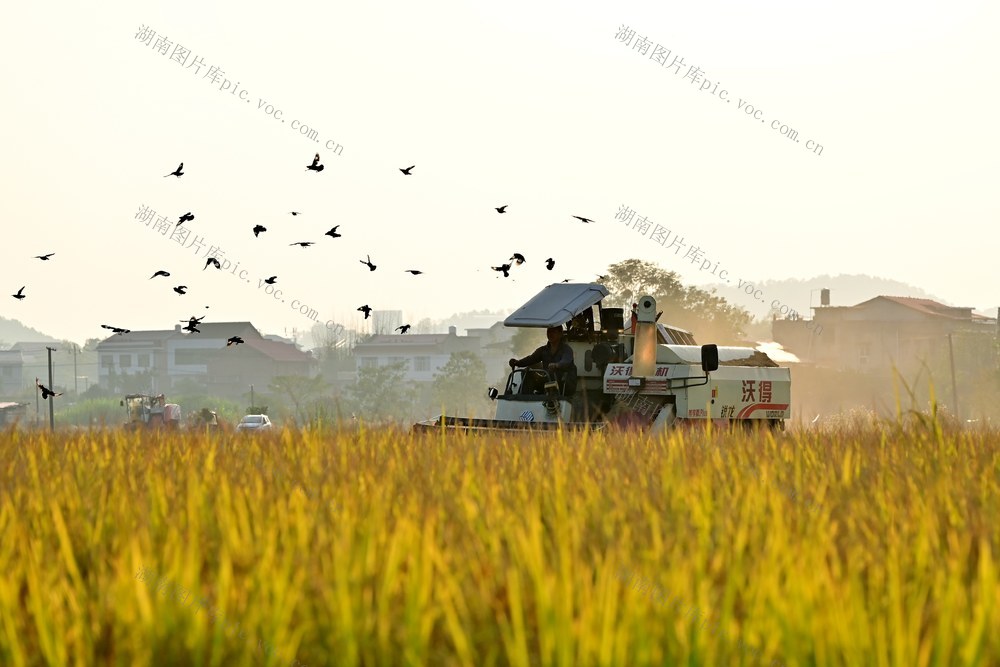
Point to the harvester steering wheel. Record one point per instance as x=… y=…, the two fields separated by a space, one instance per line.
x=539 y=378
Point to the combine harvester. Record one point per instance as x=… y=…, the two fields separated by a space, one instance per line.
x=663 y=377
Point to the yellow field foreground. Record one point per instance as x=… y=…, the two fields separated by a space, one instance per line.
x=377 y=547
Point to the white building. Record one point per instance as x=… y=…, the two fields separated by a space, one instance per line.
x=424 y=354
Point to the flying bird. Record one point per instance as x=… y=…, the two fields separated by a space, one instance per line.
x=501 y=209
x=333 y=233
x=212 y=260
x=46 y=392
x=296 y=212
x=192 y=324
x=258 y=229
x=503 y=267
x=117 y=330
x=19 y=294
x=602 y=278
x=404 y=328
x=582 y=219
x=564 y=281
x=271 y=280
x=304 y=244
x=366 y=310
x=549 y=263
x=414 y=272
x=181 y=289
x=177 y=172
x=44 y=258
x=407 y=170
x=235 y=340
x=371 y=267
x=159 y=273
x=184 y=218
x=518 y=257
x=316 y=166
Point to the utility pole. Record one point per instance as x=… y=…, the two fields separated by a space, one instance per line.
x=76 y=386
x=251 y=399
x=52 y=399
x=38 y=417
x=954 y=387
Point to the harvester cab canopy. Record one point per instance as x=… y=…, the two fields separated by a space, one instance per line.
x=556 y=304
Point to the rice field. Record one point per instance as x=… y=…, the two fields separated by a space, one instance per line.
x=853 y=546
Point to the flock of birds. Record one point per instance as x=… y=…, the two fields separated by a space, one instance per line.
x=191 y=324
x=516 y=259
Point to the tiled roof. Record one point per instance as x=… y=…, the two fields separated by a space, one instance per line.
x=33 y=346
x=926 y=306
x=221 y=330
x=277 y=350
x=407 y=340
x=139 y=336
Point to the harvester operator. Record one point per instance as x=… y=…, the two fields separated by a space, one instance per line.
x=556 y=356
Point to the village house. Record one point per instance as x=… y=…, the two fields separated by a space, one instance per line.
x=423 y=354
x=168 y=356
x=882 y=333
x=11 y=372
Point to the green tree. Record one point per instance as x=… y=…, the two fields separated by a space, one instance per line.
x=526 y=341
x=269 y=403
x=95 y=391
x=190 y=403
x=129 y=383
x=91 y=412
x=300 y=390
x=424 y=326
x=709 y=317
x=331 y=349
x=189 y=385
x=136 y=383
x=382 y=393
x=460 y=385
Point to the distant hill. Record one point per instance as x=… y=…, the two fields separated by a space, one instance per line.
x=12 y=331
x=845 y=290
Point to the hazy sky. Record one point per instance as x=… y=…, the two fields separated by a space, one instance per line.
x=534 y=105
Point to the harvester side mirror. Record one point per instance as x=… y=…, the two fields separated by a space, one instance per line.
x=121 y=403
x=493 y=392
x=709 y=358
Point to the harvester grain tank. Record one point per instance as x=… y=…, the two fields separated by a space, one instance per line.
x=657 y=377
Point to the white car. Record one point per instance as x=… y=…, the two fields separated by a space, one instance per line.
x=254 y=423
